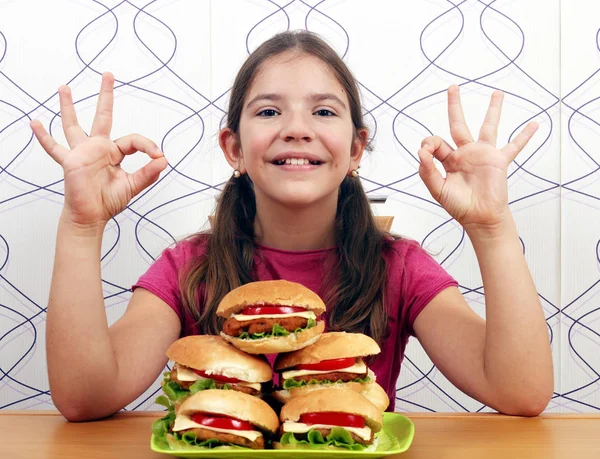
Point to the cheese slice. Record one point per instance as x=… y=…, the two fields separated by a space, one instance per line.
x=184 y=422
x=299 y=427
x=304 y=314
x=359 y=367
x=186 y=374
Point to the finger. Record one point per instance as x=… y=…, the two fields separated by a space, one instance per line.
x=148 y=174
x=513 y=148
x=430 y=175
x=458 y=128
x=135 y=142
x=489 y=129
x=104 y=108
x=71 y=128
x=438 y=147
x=56 y=152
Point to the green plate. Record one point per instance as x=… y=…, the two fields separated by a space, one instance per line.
x=396 y=436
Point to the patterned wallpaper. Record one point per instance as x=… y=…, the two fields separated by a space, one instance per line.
x=175 y=60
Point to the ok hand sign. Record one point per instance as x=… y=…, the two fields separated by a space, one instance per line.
x=474 y=191
x=96 y=187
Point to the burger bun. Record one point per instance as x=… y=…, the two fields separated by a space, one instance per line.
x=276 y=344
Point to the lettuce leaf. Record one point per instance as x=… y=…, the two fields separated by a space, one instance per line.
x=290 y=383
x=338 y=437
x=190 y=439
x=177 y=393
x=202 y=384
x=277 y=330
x=162 y=426
x=174 y=391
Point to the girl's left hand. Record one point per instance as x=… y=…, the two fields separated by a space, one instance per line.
x=474 y=191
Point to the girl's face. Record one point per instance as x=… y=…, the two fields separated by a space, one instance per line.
x=296 y=135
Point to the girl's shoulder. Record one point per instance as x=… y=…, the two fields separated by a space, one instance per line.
x=187 y=249
x=401 y=247
x=405 y=253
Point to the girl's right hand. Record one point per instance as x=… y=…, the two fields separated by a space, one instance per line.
x=96 y=187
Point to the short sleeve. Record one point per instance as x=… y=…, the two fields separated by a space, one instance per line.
x=162 y=277
x=424 y=278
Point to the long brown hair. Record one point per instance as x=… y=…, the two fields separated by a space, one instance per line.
x=357 y=279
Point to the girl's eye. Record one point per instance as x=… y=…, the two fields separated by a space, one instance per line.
x=324 y=112
x=269 y=112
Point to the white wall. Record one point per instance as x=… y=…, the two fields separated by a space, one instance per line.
x=175 y=61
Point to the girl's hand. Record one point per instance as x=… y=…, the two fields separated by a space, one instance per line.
x=96 y=188
x=474 y=191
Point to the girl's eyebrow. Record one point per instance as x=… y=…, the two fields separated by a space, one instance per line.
x=315 y=97
x=261 y=97
x=327 y=96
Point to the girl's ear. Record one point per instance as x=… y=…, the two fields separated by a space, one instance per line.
x=231 y=147
x=358 y=148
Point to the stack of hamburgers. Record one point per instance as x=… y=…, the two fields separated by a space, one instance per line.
x=215 y=388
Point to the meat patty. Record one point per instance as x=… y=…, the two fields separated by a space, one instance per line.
x=206 y=434
x=333 y=376
x=186 y=384
x=325 y=432
x=234 y=327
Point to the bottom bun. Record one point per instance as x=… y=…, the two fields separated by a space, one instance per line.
x=276 y=344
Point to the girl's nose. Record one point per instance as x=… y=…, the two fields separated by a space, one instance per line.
x=297 y=127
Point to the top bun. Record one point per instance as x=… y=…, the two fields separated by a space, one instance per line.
x=232 y=403
x=213 y=354
x=333 y=400
x=275 y=292
x=333 y=345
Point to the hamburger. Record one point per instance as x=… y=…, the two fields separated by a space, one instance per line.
x=335 y=361
x=268 y=317
x=208 y=362
x=330 y=419
x=218 y=419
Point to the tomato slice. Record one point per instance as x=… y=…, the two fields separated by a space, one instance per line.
x=220 y=422
x=327 y=365
x=217 y=378
x=259 y=310
x=333 y=419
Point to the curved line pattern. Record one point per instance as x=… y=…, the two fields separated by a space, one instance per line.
x=405 y=107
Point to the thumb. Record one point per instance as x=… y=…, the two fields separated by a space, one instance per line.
x=430 y=175
x=148 y=174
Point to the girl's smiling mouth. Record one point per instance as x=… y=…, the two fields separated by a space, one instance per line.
x=297 y=160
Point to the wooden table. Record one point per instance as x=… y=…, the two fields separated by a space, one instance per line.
x=46 y=434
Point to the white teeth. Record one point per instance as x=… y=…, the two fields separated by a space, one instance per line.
x=295 y=161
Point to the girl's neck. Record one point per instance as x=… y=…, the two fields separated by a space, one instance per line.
x=295 y=228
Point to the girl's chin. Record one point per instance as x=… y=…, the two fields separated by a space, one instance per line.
x=301 y=200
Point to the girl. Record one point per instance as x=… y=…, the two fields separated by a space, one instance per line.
x=294 y=208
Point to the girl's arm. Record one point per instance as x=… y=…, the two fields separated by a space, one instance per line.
x=505 y=361
x=93 y=370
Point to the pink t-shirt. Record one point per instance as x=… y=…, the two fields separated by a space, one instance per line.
x=414 y=279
